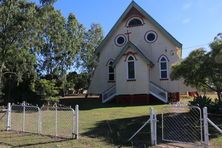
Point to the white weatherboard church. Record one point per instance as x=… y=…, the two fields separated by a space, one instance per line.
x=135 y=60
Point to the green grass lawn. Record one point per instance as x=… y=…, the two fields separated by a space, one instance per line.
x=101 y=125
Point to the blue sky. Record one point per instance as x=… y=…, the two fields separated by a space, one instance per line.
x=192 y=22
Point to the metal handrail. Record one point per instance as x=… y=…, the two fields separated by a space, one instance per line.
x=105 y=93
x=161 y=90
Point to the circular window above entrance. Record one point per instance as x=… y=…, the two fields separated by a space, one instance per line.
x=120 y=40
x=150 y=36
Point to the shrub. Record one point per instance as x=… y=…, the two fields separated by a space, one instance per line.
x=216 y=106
x=202 y=101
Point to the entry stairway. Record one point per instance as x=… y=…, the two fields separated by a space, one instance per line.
x=155 y=90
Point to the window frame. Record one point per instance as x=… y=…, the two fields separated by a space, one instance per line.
x=134 y=67
x=110 y=65
x=132 y=18
x=166 y=61
x=147 y=33
x=116 y=38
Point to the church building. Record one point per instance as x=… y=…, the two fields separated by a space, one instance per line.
x=135 y=60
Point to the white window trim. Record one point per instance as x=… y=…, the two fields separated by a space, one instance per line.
x=135 y=17
x=127 y=70
x=167 y=69
x=111 y=72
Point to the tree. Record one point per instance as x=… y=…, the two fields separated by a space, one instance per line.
x=92 y=39
x=18 y=35
x=48 y=90
x=202 y=69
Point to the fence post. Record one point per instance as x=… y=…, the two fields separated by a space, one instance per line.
x=8 y=119
x=206 y=131
x=56 y=120
x=39 y=121
x=23 y=118
x=77 y=121
x=153 y=127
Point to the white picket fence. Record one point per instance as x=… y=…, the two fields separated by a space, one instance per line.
x=55 y=121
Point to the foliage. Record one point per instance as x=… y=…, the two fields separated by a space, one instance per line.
x=217 y=107
x=18 y=35
x=48 y=90
x=37 y=42
x=202 y=69
x=92 y=39
x=202 y=101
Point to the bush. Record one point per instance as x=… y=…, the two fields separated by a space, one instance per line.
x=217 y=107
x=202 y=101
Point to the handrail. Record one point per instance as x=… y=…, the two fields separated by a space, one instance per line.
x=158 y=87
x=158 y=92
x=108 y=89
x=108 y=94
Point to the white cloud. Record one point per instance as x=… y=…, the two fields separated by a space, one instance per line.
x=186 y=20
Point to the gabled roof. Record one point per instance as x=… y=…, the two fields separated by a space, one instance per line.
x=136 y=49
x=147 y=16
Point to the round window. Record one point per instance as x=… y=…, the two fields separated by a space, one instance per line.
x=150 y=36
x=120 y=40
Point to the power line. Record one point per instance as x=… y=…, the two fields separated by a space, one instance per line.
x=193 y=46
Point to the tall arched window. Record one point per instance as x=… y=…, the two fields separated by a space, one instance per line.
x=131 y=67
x=163 y=67
x=111 y=71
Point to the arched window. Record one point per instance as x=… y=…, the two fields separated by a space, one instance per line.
x=111 y=71
x=131 y=67
x=163 y=61
x=135 y=21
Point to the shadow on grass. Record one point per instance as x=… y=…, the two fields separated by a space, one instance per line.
x=118 y=131
x=183 y=127
x=20 y=139
x=88 y=104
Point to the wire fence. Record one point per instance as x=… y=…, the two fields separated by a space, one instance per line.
x=214 y=135
x=53 y=120
x=62 y=117
x=2 y=118
x=182 y=124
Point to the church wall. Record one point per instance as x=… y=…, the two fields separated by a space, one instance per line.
x=162 y=46
x=140 y=85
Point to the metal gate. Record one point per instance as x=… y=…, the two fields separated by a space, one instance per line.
x=182 y=124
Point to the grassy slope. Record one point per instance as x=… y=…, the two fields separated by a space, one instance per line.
x=100 y=126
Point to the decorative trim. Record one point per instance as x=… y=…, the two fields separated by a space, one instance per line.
x=162 y=55
x=120 y=35
x=130 y=53
x=110 y=60
x=134 y=17
x=150 y=31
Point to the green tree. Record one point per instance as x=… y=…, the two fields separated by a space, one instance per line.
x=92 y=39
x=202 y=69
x=47 y=90
x=18 y=36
